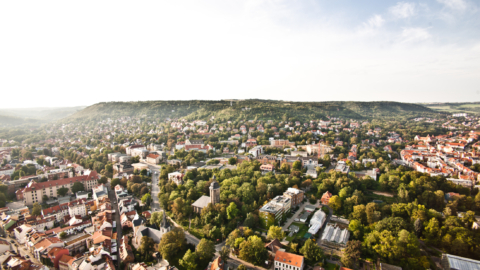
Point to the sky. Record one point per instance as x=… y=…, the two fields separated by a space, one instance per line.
x=71 y=53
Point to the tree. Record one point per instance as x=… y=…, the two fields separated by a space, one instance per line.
x=146 y=248
x=172 y=242
x=156 y=218
x=146 y=199
x=178 y=208
x=275 y=232
x=232 y=161
x=63 y=235
x=62 y=191
x=249 y=221
x=418 y=226
x=372 y=214
x=37 y=209
x=352 y=253
x=359 y=213
x=103 y=180
x=297 y=165
x=232 y=211
x=335 y=202
x=45 y=198
x=224 y=253
x=114 y=182
x=253 y=250
x=205 y=250
x=78 y=186
x=311 y=252
x=241 y=267
x=188 y=261
x=232 y=237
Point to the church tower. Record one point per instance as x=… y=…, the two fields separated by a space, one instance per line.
x=214 y=191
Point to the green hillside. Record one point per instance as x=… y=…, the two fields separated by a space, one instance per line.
x=251 y=109
x=472 y=108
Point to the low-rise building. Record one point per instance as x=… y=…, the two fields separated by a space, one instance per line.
x=296 y=195
x=288 y=261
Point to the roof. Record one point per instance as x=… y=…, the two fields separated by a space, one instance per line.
x=202 y=202
x=93 y=175
x=460 y=263
x=274 y=245
x=65 y=259
x=214 y=185
x=289 y=258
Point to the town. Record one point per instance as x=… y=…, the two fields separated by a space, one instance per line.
x=139 y=192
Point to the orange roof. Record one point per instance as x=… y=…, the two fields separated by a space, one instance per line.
x=217 y=264
x=153 y=156
x=61 y=182
x=65 y=258
x=289 y=258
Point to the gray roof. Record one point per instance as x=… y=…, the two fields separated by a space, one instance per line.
x=460 y=263
x=214 y=185
x=202 y=202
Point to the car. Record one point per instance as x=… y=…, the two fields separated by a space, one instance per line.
x=11 y=241
x=26 y=256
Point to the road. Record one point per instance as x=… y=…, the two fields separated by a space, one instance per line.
x=21 y=250
x=116 y=217
x=297 y=214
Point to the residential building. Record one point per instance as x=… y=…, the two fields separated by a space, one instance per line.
x=176 y=177
x=326 y=198
x=452 y=262
x=288 y=261
x=275 y=211
x=34 y=192
x=296 y=195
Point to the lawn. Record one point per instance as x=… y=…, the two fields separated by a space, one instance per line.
x=371 y=196
x=303 y=229
x=331 y=266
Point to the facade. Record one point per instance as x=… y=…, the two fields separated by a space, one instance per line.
x=326 y=198
x=153 y=159
x=176 y=177
x=288 y=261
x=296 y=195
x=34 y=191
x=275 y=211
x=452 y=262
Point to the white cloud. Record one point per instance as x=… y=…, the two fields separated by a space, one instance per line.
x=376 y=21
x=403 y=10
x=414 y=34
x=460 y=5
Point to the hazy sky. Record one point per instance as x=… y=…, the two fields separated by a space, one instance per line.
x=67 y=53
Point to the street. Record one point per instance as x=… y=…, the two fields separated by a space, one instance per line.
x=21 y=250
x=116 y=217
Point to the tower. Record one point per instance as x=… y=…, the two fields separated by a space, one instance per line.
x=214 y=192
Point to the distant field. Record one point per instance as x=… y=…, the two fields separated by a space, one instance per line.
x=473 y=108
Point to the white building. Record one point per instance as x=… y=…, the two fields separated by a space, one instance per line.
x=288 y=261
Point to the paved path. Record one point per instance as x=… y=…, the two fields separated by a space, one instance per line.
x=297 y=214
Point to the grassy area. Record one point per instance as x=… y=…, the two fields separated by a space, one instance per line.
x=303 y=229
x=331 y=266
x=371 y=196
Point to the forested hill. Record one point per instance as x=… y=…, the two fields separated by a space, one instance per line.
x=251 y=109
x=9 y=121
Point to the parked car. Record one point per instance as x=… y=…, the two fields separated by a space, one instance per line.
x=11 y=241
x=26 y=256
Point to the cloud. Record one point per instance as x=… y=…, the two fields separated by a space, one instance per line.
x=376 y=21
x=459 y=5
x=403 y=10
x=414 y=34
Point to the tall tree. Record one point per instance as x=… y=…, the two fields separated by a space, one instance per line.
x=205 y=250
x=352 y=253
x=311 y=252
x=189 y=260
x=172 y=242
x=232 y=211
x=146 y=248
x=78 y=186
x=275 y=232
x=37 y=209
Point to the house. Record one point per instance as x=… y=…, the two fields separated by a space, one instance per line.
x=153 y=158
x=274 y=246
x=4 y=246
x=326 y=198
x=267 y=168
x=216 y=264
x=288 y=261
x=176 y=177
x=55 y=254
x=63 y=262
x=125 y=250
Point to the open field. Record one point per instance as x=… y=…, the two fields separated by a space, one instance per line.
x=473 y=108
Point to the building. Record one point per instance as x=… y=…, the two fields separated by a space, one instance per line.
x=267 y=168
x=176 y=177
x=288 y=261
x=203 y=201
x=216 y=264
x=63 y=262
x=296 y=195
x=281 y=143
x=126 y=252
x=334 y=236
x=326 y=198
x=99 y=192
x=317 y=221
x=452 y=262
x=153 y=158
x=275 y=211
x=34 y=192
x=55 y=254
